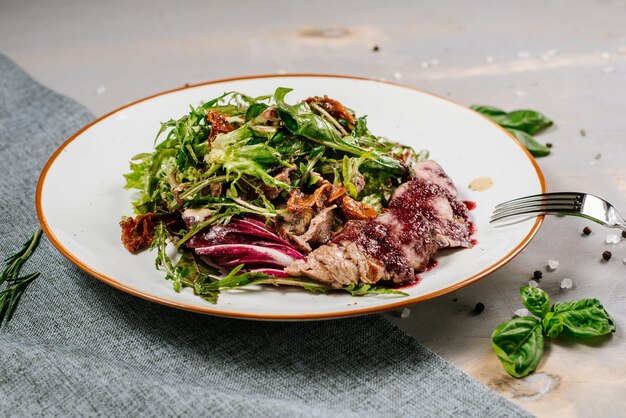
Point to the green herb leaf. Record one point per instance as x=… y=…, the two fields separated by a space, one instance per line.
x=16 y=285
x=535 y=300
x=301 y=120
x=584 y=318
x=234 y=280
x=489 y=111
x=536 y=148
x=17 y=260
x=521 y=123
x=255 y=110
x=552 y=325
x=529 y=121
x=519 y=345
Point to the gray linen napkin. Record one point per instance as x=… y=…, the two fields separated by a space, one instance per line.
x=77 y=347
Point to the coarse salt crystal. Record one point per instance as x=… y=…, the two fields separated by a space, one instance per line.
x=551 y=52
x=545 y=57
x=282 y=72
x=566 y=283
x=434 y=62
x=405 y=313
x=489 y=59
x=605 y=55
x=520 y=93
x=424 y=64
x=613 y=239
x=397 y=75
x=523 y=55
x=553 y=264
x=522 y=312
x=533 y=283
x=101 y=90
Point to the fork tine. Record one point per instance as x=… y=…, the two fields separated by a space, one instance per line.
x=566 y=204
x=541 y=197
x=545 y=208
x=556 y=210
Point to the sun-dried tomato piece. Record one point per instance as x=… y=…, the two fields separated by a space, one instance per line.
x=335 y=193
x=333 y=107
x=298 y=200
x=138 y=232
x=356 y=210
x=219 y=124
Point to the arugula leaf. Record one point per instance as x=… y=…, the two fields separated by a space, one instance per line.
x=301 y=120
x=584 y=318
x=361 y=129
x=535 y=300
x=519 y=345
x=255 y=110
x=234 y=280
x=232 y=152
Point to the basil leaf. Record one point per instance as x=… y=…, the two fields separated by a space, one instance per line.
x=535 y=300
x=536 y=148
x=552 y=325
x=584 y=318
x=528 y=121
x=522 y=123
x=525 y=120
x=519 y=345
x=488 y=110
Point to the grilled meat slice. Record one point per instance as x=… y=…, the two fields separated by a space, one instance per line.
x=339 y=265
x=318 y=231
x=431 y=171
x=424 y=214
x=447 y=215
x=389 y=247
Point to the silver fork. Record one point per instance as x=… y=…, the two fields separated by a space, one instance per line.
x=574 y=204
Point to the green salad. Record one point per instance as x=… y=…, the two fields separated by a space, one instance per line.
x=223 y=179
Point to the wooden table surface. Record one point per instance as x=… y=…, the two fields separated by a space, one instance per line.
x=565 y=58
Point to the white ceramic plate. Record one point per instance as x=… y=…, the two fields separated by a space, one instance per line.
x=80 y=196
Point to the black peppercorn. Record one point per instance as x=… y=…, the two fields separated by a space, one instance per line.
x=623 y=234
x=587 y=230
x=549 y=144
x=479 y=307
x=376 y=48
x=606 y=255
x=537 y=275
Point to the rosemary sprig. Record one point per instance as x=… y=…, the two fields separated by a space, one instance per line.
x=16 y=285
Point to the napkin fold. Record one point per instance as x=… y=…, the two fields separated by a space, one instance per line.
x=77 y=347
